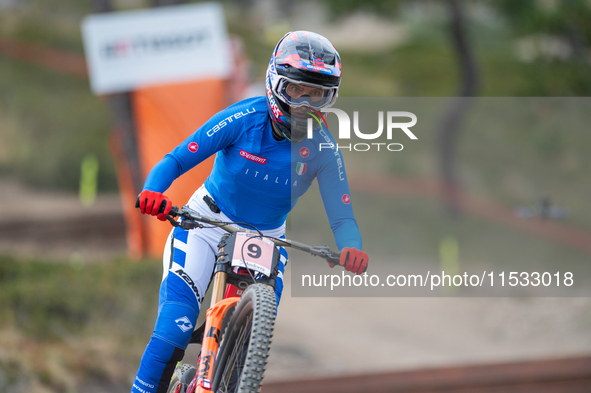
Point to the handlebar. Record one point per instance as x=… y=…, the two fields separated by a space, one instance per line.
x=193 y=219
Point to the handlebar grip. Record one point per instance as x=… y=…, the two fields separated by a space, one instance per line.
x=334 y=258
x=174 y=211
x=162 y=207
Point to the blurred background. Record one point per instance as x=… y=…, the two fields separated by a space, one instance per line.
x=79 y=271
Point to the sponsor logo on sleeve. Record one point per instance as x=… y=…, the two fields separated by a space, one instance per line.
x=346 y=199
x=193 y=147
x=228 y=120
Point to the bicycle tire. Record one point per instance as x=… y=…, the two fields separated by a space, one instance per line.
x=242 y=358
x=183 y=375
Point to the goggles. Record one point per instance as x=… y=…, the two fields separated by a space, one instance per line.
x=297 y=94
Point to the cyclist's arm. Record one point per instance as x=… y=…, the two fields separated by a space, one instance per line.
x=334 y=189
x=216 y=134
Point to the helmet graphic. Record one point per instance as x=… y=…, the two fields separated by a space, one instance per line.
x=303 y=77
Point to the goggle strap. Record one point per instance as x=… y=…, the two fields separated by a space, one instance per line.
x=319 y=115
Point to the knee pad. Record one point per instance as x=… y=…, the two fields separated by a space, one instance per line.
x=175 y=323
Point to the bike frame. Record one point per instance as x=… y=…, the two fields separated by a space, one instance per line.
x=213 y=324
x=220 y=306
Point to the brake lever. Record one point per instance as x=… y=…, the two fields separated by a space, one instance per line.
x=187 y=224
x=172 y=221
x=325 y=252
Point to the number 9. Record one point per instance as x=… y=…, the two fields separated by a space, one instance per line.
x=255 y=251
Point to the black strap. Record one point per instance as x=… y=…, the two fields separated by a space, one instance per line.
x=197 y=336
x=212 y=206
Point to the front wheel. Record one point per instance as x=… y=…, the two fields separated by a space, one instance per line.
x=182 y=377
x=242 y=358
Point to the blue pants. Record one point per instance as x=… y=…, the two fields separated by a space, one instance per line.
x=189 y=259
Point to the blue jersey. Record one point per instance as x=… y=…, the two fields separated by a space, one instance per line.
x=257 y=179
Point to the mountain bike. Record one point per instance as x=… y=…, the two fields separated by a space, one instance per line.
x=236 y=336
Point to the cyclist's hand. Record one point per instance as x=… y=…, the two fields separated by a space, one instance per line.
x=155 y=204
x=354 y=260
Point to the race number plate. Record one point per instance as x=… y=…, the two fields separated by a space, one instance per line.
x=257 y=252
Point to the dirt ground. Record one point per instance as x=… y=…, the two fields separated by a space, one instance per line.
x=329 y=336
x=57 y=226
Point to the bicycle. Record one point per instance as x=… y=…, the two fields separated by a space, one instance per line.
x=236 y=336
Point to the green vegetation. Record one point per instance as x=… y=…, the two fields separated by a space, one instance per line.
x=61 y=324
x=49 y=122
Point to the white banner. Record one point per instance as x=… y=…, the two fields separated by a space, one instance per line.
x=127 y=50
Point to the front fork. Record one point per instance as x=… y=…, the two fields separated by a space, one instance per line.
x=211 y=339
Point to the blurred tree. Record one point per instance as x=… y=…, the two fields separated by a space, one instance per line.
x=162 y=3
x=124 y=129
x=448 y=132
x=381 y=7
x=102 y=6
x=570 y=23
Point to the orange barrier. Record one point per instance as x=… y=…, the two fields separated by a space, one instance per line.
x=165 y=116
x=134 y=222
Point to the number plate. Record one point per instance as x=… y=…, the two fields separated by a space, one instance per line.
x=257 y=252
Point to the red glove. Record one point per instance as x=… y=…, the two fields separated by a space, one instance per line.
x=151 y=202
x=354 y=260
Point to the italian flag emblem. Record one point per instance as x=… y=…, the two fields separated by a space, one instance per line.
x=300 y=168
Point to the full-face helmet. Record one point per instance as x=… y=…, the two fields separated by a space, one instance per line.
x=303 y=77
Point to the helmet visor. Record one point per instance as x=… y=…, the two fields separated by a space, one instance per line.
x=296 y=94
